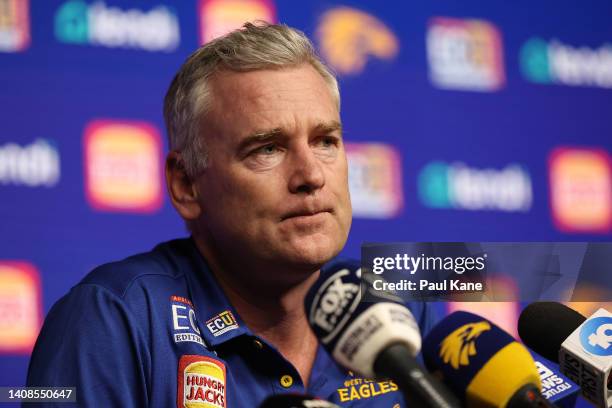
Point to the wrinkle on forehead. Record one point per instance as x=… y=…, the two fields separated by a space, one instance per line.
x=289 y=99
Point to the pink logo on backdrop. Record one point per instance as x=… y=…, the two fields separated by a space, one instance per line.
x=375 y=180
x=20 y=306
x=14 y=25
x=581 y=190
x=123 y=166
x=218 y=17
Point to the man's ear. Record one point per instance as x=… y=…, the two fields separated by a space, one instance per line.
x=181 y=188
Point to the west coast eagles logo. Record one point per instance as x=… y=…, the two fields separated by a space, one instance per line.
x=458 y=346
x=349 y=37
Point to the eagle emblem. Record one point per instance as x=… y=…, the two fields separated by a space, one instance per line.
x=458 y=346
x=348 y=38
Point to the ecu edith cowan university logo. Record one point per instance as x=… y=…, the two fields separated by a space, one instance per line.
x=221 y=323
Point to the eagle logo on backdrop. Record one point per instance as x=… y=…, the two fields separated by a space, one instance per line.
x=348 y=37
x=458 y=346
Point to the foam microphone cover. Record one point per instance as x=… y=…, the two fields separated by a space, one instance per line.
x=543 y=326
x=481 y=363
x=352 y=331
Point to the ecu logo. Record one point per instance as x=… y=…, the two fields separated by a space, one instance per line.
x=222 y=323
x=458 y=346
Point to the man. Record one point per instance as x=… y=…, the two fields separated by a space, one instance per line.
x=257 y=170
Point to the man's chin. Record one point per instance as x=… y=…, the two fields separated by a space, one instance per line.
x=313 y=254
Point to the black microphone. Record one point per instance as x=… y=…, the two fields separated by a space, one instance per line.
x=543 y=326
x=377 y=339
x=296 y=401
x=581 y=346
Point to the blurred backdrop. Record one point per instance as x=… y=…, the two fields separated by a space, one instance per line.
x=464 y=121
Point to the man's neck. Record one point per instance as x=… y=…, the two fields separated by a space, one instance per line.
x=275 y=313
x=281 y=321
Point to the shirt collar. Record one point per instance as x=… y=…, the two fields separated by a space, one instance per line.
x=219 y=320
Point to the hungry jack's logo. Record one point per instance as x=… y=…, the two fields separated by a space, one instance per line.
x=458 y=346
x=201 y=382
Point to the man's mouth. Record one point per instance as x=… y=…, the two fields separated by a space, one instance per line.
x=305 y=213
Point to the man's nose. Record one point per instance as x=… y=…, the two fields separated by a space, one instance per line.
x=306 y=171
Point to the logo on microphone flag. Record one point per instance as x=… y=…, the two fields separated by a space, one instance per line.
x=596 y=336
x=457 y=348
x=333 y=304
x=496 y=352
x=556 y=387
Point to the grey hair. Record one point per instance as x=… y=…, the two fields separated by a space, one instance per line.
x=253 y=47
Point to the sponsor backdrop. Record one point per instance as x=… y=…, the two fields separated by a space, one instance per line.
x=479 y=121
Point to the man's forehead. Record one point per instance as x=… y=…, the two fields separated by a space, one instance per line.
x=297 y=83
x=319 y=127
x=273 y=100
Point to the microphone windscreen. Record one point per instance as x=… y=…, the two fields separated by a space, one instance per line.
x=332 y=300
x=480 y=362
x=355 y=331
x=543 y=326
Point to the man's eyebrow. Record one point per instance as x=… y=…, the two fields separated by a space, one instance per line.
x=259 y=136
x=262 y=136
x=329 y=127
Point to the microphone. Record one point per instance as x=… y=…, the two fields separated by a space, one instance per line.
x=482 y=363
x=543 y=326
x=296 y=401
x=377 y=339
x=556 y=387
x=583 y=347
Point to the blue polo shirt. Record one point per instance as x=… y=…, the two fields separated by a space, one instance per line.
x=156 y=330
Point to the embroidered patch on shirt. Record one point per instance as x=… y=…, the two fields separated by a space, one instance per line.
x=184 y=322
x=201 y=382
x=221 y=323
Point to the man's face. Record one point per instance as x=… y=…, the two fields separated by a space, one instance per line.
x=276 y=188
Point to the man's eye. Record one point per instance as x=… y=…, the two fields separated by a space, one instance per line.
x=266 y=150
x=328 y=142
